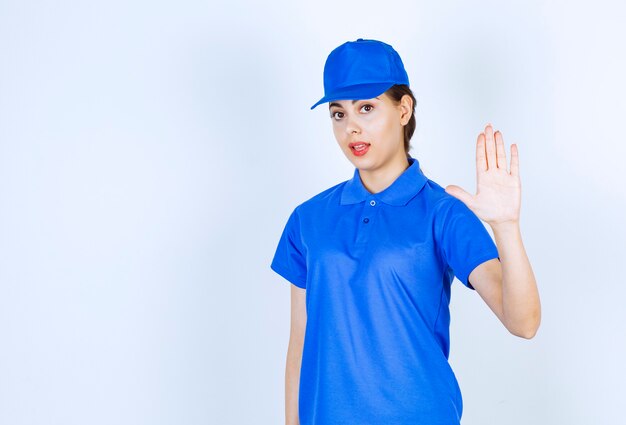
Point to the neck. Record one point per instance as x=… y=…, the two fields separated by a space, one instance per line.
x=378 y=179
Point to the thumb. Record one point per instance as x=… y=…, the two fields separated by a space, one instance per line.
x=459 y=193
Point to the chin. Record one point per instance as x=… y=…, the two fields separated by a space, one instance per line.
x=362 y=163
x=365 y=162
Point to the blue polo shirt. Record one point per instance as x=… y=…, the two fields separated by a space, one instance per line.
x=377 y=268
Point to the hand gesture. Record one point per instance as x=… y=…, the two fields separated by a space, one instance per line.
x=498 y=191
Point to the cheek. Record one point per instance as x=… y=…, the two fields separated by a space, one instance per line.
x=390 y=128
x=338 y=132
x=381 y=128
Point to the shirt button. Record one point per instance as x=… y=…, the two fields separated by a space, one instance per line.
x=366 y=220
x=372 y=202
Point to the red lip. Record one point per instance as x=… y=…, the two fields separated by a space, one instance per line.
x=359 y=152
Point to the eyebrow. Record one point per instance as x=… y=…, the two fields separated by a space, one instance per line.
x=353 y=102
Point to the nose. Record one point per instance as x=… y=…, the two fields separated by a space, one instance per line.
x=352 y=127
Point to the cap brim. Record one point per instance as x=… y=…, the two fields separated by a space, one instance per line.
x=356 y=92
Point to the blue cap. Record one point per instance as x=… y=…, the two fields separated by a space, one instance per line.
x=361 y=69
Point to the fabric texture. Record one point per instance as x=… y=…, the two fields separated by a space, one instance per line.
x=377 y=269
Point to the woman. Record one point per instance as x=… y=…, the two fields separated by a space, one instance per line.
x=371 y=259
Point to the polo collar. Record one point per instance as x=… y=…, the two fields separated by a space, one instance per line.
x=399 y=193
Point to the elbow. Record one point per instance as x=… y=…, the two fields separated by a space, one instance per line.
x=529 y=329
x=527 y=333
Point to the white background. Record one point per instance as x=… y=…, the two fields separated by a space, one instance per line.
x=151 y=152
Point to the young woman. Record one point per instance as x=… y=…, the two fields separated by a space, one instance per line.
x=371 y=259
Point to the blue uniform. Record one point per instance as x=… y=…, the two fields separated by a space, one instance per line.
x=377 y=269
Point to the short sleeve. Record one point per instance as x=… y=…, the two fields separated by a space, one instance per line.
x=465 y=242
x=290 y=258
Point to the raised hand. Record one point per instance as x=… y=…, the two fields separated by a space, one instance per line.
x=498 y=191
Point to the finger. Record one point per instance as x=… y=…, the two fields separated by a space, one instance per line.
x=500 y=151
x=490 y=147
x=514 y=160
x=481 y=156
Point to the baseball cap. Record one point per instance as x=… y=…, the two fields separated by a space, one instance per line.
x=361 y=69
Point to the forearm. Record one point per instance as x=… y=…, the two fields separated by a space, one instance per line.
x=292 y=382
x=521 y=307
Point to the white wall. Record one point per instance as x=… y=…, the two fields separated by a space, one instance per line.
x=151 y=151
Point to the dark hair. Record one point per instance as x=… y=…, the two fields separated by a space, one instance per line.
x=395 y=93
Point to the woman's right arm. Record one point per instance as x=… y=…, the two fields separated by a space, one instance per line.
x=294 y=354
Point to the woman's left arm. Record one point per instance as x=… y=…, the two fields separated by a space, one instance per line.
x=507 y=286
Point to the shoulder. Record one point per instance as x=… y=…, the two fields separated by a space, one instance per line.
x=440 y=201
x=316 y=206
x=322 y=200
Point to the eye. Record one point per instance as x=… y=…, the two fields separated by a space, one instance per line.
x=333 y=115
x=367 y=105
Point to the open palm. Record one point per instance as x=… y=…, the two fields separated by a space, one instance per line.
x=498 y=191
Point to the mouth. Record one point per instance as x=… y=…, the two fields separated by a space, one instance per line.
x=359 y=148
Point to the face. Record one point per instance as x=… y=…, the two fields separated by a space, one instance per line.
x=370 y=132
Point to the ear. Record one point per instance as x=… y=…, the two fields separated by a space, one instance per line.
x=406 y=109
